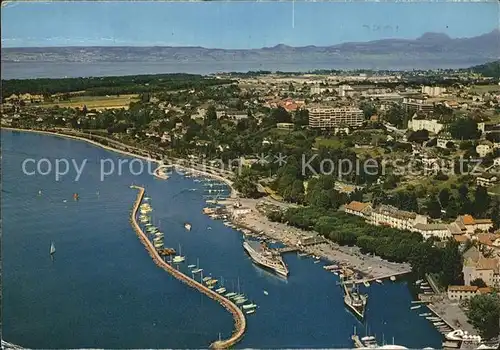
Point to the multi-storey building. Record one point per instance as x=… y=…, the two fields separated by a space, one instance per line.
x=417 y=105
x=326 y=117
x=387 y=215
x=433 y=90
x=441 y=231
x=465 y=292
x=431 y=125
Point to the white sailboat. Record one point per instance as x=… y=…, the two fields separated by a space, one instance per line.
x=52 y=248
x=179 y=258
x=197 y=269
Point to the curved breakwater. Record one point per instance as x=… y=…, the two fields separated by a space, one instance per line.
x=239 y=317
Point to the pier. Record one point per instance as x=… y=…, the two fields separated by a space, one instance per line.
x=7 y=345
x=287 y=250
x=239 y=317
x=371 y=279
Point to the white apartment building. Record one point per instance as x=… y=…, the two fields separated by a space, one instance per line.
x=441 y=231
x=465 y=292
x=442 y=140
x=433 y=91
x=326 y=118
x=387 y=215
x=317 y=90
x=431 y=125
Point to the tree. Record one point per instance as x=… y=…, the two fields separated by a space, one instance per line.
x=484 y=313
x=368 y=109
x=481 y=201
x=397 y=116
x=210 y=115
x=433 y=208
x=444 y=197
x=245 y=183
x=451 y=271
x=301 y=117
x=464 y=129
x=495 y=212
x=478 y=282
x=419 y=136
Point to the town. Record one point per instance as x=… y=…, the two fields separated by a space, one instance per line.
x=429 y=197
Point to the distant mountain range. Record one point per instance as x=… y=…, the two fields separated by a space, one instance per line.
x=431 y=50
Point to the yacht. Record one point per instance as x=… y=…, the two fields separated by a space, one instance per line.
x=187 y=226
x=265 y=257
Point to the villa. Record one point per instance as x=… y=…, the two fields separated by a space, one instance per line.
x=477 y=266
x=469 y=225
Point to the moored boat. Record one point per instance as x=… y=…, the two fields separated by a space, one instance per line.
x=265 y=257
x=355 y=301
x=249 y=306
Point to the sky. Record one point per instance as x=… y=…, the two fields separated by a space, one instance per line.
x=237 y=24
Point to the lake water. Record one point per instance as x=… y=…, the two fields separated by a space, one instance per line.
x=38 y=69
x=103 y=290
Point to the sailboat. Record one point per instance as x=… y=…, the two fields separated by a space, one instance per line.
x=197 y=269
x=179 y=258
x=221 y=290
x=52 y=248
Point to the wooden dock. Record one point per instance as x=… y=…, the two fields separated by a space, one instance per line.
x=239 y=317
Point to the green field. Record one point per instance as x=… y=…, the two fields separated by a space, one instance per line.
x=485 y=88
x=96 y=102
x=331 y=143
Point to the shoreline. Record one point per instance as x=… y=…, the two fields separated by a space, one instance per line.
x=258 y=222
x=160 y=163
